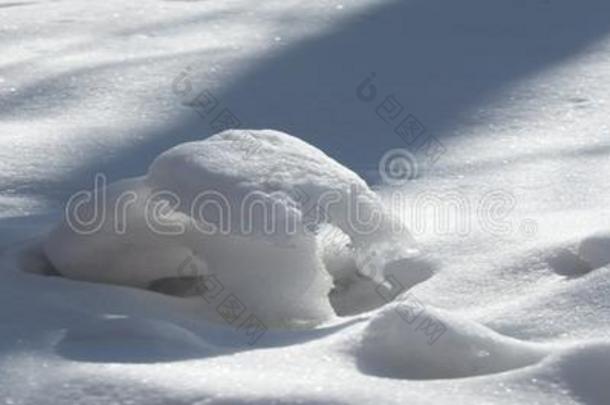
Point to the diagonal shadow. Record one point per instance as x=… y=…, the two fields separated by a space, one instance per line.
x=440 y=59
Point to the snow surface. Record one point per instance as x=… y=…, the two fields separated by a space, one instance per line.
x=516 y=91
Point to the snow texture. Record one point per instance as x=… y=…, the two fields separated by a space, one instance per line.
x=517 y=93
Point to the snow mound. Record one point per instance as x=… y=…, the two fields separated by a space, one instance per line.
x=581 y=256
x=409 y=340
x=584 y=370
x=237 y=216
x=595 y=250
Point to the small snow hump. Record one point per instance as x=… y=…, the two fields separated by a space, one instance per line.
x=243 y=208
x=409 y=340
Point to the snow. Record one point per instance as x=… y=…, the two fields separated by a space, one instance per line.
x=408 y=340
x=515 y=269
x=243 y=207
x=595 y=250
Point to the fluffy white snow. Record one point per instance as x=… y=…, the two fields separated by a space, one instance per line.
x=242 y=206
x=516 y=91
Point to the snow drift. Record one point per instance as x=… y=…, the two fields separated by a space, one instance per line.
x=241 y=212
